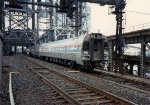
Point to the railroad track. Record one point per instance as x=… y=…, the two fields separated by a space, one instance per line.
x=126 y=83
x=56 y=98
x=77 y=92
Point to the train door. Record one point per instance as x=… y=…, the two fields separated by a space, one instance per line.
x=86 y=51
x=97 y=49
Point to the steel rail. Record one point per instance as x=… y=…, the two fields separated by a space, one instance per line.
x=123 y=85
x=60 y=91
x=132 y=78
x=36 y=3
x=138 y=80
x=107 y=94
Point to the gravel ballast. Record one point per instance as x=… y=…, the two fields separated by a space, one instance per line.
x=27 y=88
x=33 y=91
x=131 y=95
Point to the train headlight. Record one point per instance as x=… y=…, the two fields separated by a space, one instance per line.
x=85 y=52
x=85 y=57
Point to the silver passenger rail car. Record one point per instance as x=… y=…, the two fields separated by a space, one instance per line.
x=86 y=51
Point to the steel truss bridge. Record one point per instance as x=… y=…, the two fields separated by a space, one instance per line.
x=21 y=22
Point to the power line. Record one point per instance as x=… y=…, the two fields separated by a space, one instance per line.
x=138 y=12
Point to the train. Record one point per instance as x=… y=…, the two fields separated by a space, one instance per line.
x=85 y=51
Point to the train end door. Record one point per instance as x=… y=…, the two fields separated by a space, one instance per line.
x=97 y=49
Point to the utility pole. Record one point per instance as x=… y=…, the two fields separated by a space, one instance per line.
x=119 y=38
x=119 y=43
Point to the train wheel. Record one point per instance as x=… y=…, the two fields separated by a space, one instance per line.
x=61 y=61
x=88 y=66
x=82 y=68
x=72 y=64
x=91 y=68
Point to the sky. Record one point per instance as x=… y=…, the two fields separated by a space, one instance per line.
x=137 y=12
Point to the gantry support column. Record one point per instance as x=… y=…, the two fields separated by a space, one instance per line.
x=1 y=60
x=1 y=45
x=139 y=70
x=76 y=19
x=142 y=58
x=9 y=20
x=111 y=55
x=33 y=19
x=131 y=68
x=37 y=30
x=1 y=14
x=22 y=49
x=119 y=42
x=15 y=49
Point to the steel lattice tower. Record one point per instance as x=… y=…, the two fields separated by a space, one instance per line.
x=61 y=27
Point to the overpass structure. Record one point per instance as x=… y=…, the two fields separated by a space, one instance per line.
x=134 y=37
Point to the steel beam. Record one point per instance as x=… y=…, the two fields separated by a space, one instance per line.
x=101 y=2
x=142 y=59
x=119 y=42
x=1 y=45
x=111 y=55
x=21 y=31
x=1 y=58
x=76 y=18
x=33 y=16
x=36 y=3
x=33 y=21
x=37 y=30
x=131 y=68
x=134 y=36
x=1 y=14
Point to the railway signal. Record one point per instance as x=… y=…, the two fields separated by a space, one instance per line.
x=71 y=8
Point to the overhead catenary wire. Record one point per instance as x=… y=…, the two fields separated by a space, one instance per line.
x=138 y=12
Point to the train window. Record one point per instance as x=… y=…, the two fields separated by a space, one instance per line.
x=95 y=46
x=86 y=46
